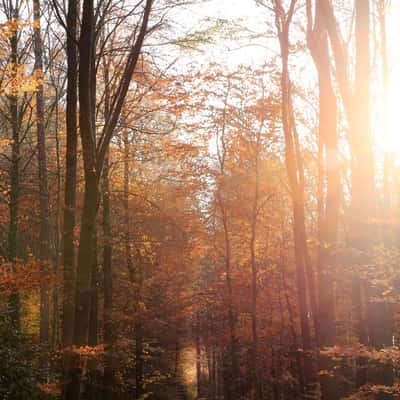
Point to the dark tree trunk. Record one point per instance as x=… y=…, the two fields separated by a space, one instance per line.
x=86 y=250
x=14 y=301
x=44 y=237
x=108 y=289
x=69 y=272
x=70 y=179
x=93 y=378
x=93 y=159
x=108 y=379
x=87 y=242
x=55 y=340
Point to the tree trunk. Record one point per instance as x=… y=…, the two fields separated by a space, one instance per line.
x=108 y=379
x=108 y=288
x=86 y=252
x=93 y=160
x=296 y=183
x=69 y=272
x=70 y=178
x=329 y=204
x=14 y=301
x=57 y=235
x=44 y=237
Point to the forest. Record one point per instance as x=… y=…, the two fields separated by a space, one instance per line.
x=199 y=199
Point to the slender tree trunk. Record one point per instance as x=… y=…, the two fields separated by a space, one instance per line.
x=14 y=300
x=86 y=252
x=57 y=235
x=93 y=385
x=108 y=288
x=108 y=381
x=44 y=237
x=329 y=205
x=69 y=272
x=296 y=182
x=70 y=178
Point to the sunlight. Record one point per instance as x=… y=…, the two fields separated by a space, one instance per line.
x=199 y=199
x=391 y=137
x=389 y=141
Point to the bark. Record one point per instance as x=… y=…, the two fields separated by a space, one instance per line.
x=329 y=204
x=93 y=159
x=328 y=137
x=44 y=237
x=88 y=222
x=108 y=381
x=296 y=369
x=70 y=178
x=296 y=182
x=14 y=301
x=86 y=251
x=69 y=270
x=57 y=235
x=93 y=326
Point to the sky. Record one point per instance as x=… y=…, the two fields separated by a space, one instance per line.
x=254 y=52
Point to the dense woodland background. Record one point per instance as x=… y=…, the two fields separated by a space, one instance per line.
x=179 y=221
